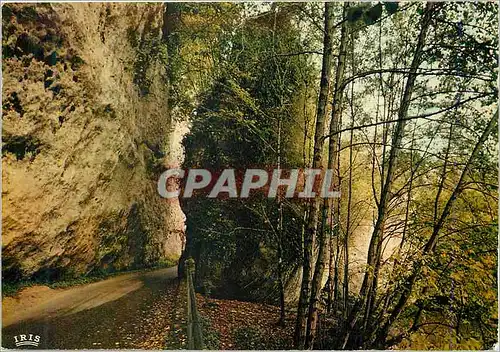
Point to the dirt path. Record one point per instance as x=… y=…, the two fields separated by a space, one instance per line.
x=127 y=311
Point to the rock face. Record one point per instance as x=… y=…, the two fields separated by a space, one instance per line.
x=85 y=128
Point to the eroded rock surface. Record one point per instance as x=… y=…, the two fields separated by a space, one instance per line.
x=85 y=127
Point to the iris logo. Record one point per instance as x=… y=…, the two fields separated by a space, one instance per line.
x=27 y=340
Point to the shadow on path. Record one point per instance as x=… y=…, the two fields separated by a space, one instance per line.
x=138 y=319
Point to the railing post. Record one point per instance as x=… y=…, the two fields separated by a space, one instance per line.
x=194 y=329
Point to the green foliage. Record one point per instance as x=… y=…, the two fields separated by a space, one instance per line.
x=354 y=13
x=248 y=338
x=149 y=50
x=211 y=337
x=195 y=38
x=254 y=85
x=373 y=14
x=391 y=7
x=236 y=125
x=370 y=14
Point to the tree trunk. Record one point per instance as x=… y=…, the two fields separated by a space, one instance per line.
x=301 y=322
x=376 y=239
x=430 y=245
x=349 y=196
x=333 y=158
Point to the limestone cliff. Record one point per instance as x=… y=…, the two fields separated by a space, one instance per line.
x=85 y=130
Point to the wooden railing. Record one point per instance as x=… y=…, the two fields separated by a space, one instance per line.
x=194 y=328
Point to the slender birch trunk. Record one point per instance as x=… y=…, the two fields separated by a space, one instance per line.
x=333 y=159
x=309 y=236
x=366 y=291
